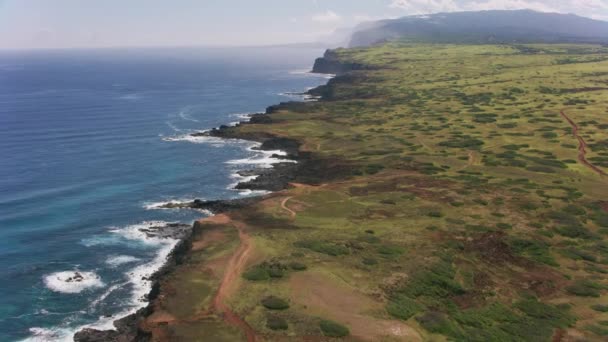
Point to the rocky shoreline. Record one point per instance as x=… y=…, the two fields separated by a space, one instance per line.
x=301 y=166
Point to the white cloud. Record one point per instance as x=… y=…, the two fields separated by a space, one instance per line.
x=424 y=6
x=582 y=7
x=327 y=17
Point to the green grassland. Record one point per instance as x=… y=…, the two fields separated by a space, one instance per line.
x=450 y=205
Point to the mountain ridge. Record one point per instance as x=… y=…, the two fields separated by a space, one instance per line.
x=493 y=26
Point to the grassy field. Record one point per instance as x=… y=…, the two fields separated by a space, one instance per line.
x=461 y=195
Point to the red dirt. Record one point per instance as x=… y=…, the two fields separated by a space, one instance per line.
x=292 y=213
x=234 y=269
x=582 y=147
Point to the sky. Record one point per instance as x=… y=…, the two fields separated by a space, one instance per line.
x=26 y=24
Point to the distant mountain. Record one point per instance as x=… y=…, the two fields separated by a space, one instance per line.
x=519 y=26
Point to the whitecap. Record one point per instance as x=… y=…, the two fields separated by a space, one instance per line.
x=72 y=281
x=117 y=260
x=50 y=335
x=198 y=139
x=130 y=97
x=140 y=276
x=163 y=204
x=263 y=158
x=186 y=114
x=247 y=192
x=136 y=232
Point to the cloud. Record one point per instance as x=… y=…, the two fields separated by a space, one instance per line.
x=327 y=17
x=424 y=6
x=583 y=7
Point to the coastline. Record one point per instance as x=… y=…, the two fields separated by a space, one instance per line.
x=267 y=180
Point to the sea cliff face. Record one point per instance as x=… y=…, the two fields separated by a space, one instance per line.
x=331 y=64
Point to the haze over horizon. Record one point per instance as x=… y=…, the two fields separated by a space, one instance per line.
x=27 y=24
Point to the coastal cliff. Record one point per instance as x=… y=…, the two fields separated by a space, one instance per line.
x=411 y=212
x=330 y=63
x=301 y=167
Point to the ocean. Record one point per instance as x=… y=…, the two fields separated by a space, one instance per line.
x=91 y=141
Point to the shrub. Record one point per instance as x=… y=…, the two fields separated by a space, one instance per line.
x=485 y=118
x=390 y=250
x=276 y=323
x=333 y=329
x=275 y=303
x=297 y=266
x=584 y=288
x=502 y=225
x=436 y=214
x=600 y=307
x=256 y=273
x=275 y=272
x=369 y=261
x=323 y=247
x=402 y=307
x=575 y=232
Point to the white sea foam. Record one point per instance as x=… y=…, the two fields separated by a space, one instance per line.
x=198 y=139
x=247 y=192
x=107 y=293
x=50 y=335
x=186 y=114
x=131 y=97
x=72 y=281
x=162 y=205
x=140 y=276
x=117 y=260
x=262 y=159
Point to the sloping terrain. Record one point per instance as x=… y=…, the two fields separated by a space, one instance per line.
x=459 y=194
x=516 y=26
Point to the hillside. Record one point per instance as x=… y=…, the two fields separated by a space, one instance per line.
x=444 y=192
x=518 y=26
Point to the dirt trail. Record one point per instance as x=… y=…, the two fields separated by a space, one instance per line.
x=292 y=213
x=582 y=146
x=235 y=267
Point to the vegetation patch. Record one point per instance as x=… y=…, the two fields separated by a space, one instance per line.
x=274 y=322
x=323 y=247
x=275 y=303
x=333 y=329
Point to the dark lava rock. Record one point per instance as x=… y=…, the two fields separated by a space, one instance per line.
x=274 y=179
x=169 y=231
x=126 y=331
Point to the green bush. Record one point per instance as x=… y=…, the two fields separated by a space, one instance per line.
x=575 y=232
x=276 y=323
x=369 y=261
x=485 y=118
x=390 y=250
x=333 y=329
x=402 y=307
x=275 y=272
x=297 y=266
x=436 y=214
x=275 y=303
x=256 y=273
x=600 y=307
x=323 y=247
x=502 y=225
x=584 y=288
x=436 y=281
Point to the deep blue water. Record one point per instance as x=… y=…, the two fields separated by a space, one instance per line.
x=87 y=140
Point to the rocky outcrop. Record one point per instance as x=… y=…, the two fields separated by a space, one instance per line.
x=330 y=63
x=126 y=331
